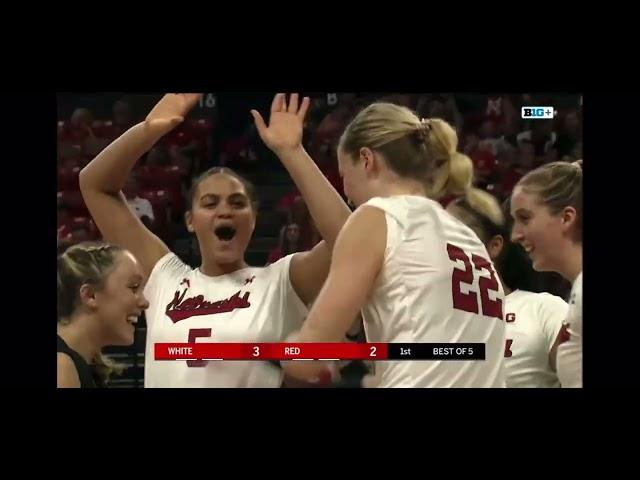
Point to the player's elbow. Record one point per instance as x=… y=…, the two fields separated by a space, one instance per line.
x=84 y=180
x=87 y=181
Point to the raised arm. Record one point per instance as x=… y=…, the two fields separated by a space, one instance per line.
x=102 y=180
x=329 y=212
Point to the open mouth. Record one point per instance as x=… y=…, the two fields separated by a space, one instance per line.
x=132 y=319
x=225 y=233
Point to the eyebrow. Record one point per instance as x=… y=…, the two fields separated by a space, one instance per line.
x=521 y=211
x=217 y=197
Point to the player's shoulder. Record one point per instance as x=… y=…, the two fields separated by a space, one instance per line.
x=539 y=298
x=67 y=373
x=549 y=301
x=273 y=270
x=170 y=265
x=368 y=215
x=405 y=206
x=576 y=288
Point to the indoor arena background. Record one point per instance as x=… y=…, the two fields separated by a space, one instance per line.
x=220 y=132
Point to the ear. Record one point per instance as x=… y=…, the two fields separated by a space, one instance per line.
x=369 y=160
x=495 y=245
x=569 y=216
x=88 y=295
x=187 y=221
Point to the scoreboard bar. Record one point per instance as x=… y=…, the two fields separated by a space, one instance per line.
x=319 y=351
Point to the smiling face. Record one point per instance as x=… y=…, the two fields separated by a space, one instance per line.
x=222 y=217
x=537 y=229
x=121 y=301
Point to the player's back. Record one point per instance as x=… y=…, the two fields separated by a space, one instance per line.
x=437 y=285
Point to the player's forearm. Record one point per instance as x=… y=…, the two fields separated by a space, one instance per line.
x=315 y=331
x=108 y=172
x=328 y=210
x=311 y=332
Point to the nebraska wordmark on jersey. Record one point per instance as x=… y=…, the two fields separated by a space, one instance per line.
x=437 y=285
x=249 y=305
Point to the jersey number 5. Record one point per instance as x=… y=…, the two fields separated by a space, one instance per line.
x=469 y=301
x=198 y=333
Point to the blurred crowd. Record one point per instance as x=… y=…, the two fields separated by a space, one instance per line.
x=502 y=146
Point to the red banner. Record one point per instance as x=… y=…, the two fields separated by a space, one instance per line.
x=270 y=351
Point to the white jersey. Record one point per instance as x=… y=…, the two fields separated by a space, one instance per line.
x=249 y=305
x=569 y=360
x=437 y=285
x=533 y=321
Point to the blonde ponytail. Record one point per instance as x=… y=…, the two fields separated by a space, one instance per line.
x=103 y=368
x=481 y=212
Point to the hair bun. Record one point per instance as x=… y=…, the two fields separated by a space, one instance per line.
x=423 y=129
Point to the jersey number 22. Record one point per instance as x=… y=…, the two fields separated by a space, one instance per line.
x=469 y=301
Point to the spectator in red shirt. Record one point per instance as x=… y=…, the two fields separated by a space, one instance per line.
x=511 y=174
x=285 y=204
x=484 y=161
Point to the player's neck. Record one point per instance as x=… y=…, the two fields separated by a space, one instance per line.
x=81 y=335
x=213 y=269
x=571 y=262
x=507 y=290
x=394 y=185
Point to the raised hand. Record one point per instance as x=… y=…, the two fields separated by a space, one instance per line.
x=284 y=132
x=170 y=111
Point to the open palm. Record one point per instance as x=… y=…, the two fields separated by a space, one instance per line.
x=170 y=111
x=285 y=123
